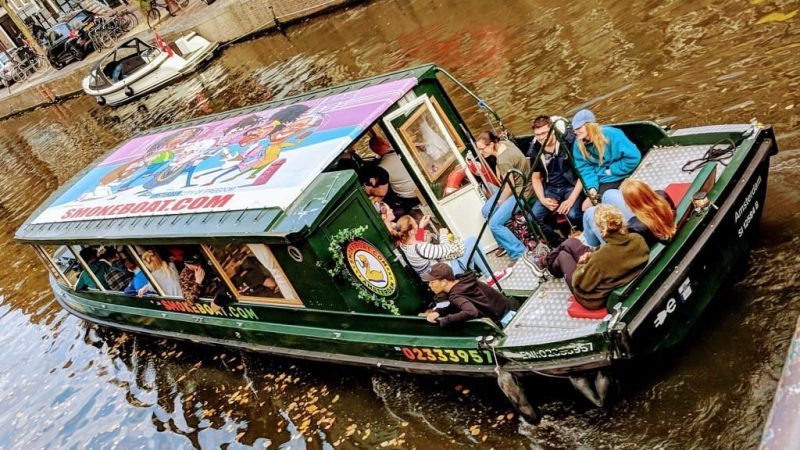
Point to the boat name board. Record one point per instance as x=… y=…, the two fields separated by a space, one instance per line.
x=740 y=212
x=238 y=312
x=446 y=355
x=571 y=349
x=166 y=205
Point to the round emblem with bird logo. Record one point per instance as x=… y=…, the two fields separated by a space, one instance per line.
x=370 y=267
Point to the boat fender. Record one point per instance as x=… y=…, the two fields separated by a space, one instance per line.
x=516 y=395
x=454 y=180
x=101 y=101
x=129 y=91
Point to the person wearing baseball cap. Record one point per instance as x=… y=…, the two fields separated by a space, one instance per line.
x=467 y=297
x=604 y=156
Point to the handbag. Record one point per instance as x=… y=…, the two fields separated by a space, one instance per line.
x=456 y=249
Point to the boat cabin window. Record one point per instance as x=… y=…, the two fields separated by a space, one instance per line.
x=61 y=263
x=164 y=264
x=252 y=273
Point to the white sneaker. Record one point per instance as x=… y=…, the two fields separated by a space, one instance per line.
x=499 y=276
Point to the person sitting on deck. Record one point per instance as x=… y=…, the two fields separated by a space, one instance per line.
x=467 y=297
x=423 y=255
x=554 y=183
x=165 y=274
x=604 y=156
x=402 y=185
x=508 y=157
x=592 y=275
x=99 y=268
x=649 y=213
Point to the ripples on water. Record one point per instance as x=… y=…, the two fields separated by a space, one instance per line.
x=67 y=384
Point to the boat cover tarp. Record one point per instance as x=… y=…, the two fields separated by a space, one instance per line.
x=258 y=160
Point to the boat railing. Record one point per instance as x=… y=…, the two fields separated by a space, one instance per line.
x=532 y=224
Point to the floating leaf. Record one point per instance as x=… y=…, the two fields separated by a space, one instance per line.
x=777 y=17
x=475 y=430
x=335 y=399
x=366 y=434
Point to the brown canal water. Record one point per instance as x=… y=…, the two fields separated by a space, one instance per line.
x=67 y=384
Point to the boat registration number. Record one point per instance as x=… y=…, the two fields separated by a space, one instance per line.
x=447 y=355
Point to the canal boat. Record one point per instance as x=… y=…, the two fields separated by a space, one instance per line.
x=267 y=197
x=135 y=67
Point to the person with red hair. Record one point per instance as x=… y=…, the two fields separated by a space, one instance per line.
x=649 y=213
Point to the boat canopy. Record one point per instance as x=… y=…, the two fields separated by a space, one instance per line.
x=242 y=172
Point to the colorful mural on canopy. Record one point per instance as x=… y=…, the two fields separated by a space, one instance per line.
x=257 y=160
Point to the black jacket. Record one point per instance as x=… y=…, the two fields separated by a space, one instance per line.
x=471 y=299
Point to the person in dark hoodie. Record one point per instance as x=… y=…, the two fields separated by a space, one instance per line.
x=467 y=297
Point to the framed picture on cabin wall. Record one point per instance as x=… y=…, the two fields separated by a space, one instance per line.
x=428 y=146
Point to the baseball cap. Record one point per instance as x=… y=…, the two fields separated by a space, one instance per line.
x=581 y=118
x=439 y=271
x=192 y=258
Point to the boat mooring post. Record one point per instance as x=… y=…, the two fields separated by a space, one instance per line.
x=511 y=387
x=782 y=430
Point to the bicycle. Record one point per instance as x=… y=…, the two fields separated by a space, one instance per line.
x=154 y=15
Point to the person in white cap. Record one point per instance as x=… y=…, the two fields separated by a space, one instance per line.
x=604 y=156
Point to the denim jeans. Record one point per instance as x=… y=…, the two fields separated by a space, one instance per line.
x=590 y=231
x=459 y=265
x=497 y=224
x=540 y=212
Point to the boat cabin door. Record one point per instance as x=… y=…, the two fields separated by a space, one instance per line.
x=432 y=147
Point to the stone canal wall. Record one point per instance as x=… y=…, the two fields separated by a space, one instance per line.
x=225 y=21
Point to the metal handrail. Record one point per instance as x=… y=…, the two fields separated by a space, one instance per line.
x=533 y=225
x=481 y=103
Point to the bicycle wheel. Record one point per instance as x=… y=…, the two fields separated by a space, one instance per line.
x=19 y=74
x=123 y=24
x=131 y=18
x=108 y=38
x=153 y=17
x=38 y=62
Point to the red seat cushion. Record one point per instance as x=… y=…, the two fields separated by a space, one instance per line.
x=576 y=310
x=676 y=191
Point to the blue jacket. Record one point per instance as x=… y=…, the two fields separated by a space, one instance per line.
x=619 y=160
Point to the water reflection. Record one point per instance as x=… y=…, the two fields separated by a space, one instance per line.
x=68 y=384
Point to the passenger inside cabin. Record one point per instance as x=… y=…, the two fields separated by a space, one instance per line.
x=555 y=184
x=508 y=157
x=604 y=156
x=99 y=268
x=466 y=298
x=592 y=274
x=252 y=270
x=191 y=278
x=164 y=273
x=422 y=255
x=138 y=281
x=118 y=276
x=649 y=213
x=402 y=186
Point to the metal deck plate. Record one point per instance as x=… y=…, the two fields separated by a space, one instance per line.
x=543 y=318
x=662 y=166
x=730 y=128
x=521 y=279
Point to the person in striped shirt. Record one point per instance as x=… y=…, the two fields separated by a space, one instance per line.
x=422 y=255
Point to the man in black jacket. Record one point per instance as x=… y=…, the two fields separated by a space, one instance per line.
x=467 y=297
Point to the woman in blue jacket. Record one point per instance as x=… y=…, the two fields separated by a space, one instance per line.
x=604 y=156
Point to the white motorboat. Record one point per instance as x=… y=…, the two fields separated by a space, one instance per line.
x=135 y=67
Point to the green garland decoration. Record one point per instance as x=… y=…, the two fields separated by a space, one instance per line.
x=340 y=269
